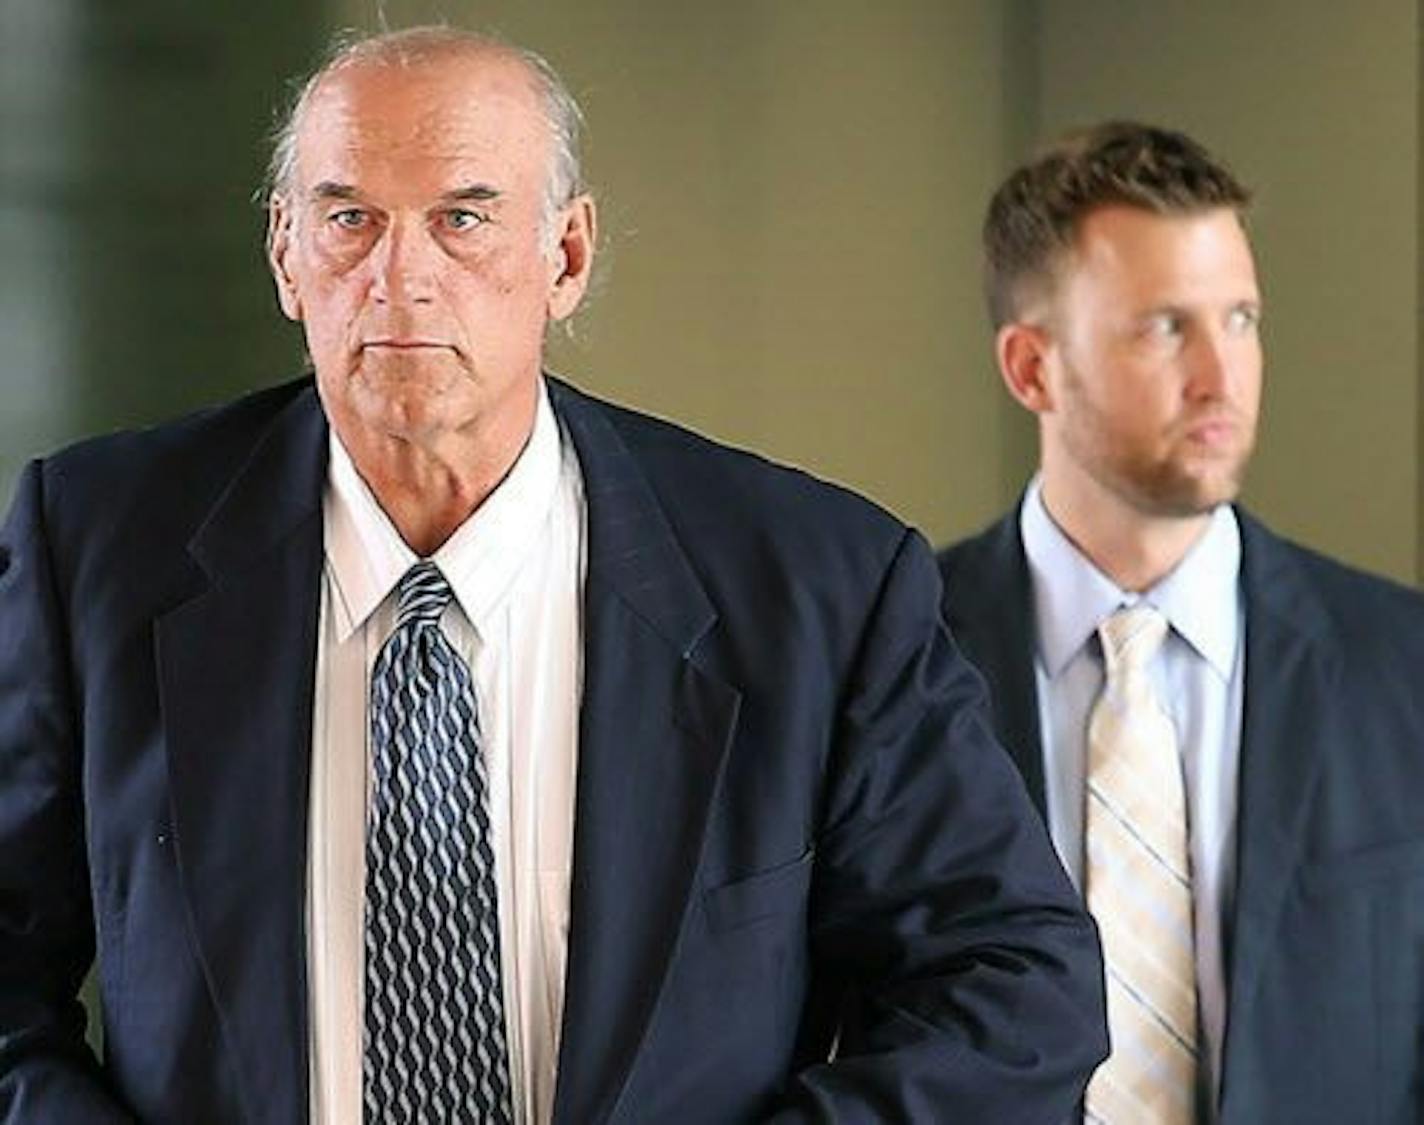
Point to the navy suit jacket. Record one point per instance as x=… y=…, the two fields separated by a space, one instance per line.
x=793 y=825
x=1325 y=945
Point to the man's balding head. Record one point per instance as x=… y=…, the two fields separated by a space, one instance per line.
x=418 y=46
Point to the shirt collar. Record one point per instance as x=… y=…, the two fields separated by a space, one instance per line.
x=366 y=556
x=1200 y=597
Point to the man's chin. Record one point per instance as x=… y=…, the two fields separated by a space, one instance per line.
x=404 y=403
x=1184 y=496
x=407 y=371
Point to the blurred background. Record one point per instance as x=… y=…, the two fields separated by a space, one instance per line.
x=791 y=199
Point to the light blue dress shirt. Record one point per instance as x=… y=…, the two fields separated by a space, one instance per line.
x=1198 y=675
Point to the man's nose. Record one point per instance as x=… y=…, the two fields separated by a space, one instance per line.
x=404 y=264
x=1215 y=362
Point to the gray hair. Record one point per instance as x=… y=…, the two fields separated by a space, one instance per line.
x=418 y=44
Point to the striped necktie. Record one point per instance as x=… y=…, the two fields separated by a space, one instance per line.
x=434 y=1047
x=1139 y=887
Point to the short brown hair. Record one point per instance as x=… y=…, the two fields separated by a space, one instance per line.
x=1033 y=218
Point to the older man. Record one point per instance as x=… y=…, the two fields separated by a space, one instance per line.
x=438 y=743
x=1224 y=729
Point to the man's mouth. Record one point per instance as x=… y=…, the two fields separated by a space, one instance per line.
x=406 y=344
x=1214 y=431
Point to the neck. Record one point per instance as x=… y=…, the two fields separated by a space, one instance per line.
x=1133 y=548
x=428 y=489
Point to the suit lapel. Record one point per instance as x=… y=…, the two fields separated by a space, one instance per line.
x=989 y=604
x=236 y=666
x=1291 y=670
x=653 y=735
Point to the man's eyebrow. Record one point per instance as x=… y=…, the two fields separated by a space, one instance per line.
x=479 y=193
x=330 y=189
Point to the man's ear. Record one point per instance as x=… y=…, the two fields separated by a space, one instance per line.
x=572 y=259
x=1022 y=351
x=279 y=249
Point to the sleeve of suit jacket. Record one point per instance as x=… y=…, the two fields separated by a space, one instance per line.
x=47 y=1073
x=973 y=977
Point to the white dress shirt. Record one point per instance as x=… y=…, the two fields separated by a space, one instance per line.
x=1198 y=675
x=517 y=570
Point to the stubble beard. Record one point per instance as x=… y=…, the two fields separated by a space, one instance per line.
x=1179 y=484
x=1170 y=489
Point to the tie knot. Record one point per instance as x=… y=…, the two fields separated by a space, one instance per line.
x=1131 y=637
x=422 y=595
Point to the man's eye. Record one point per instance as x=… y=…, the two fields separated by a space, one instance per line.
x=349 y=218
x=1163 y=326
x=462 y=218
x=1244 y=319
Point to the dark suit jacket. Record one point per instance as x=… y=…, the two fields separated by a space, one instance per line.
x=792 y=819
x=1325 y=947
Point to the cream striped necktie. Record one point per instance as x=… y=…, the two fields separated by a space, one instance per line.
x=1139 y=887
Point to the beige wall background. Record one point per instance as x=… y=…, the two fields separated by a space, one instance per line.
x=791 y=197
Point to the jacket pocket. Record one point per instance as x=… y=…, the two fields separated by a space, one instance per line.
x=777 y=890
